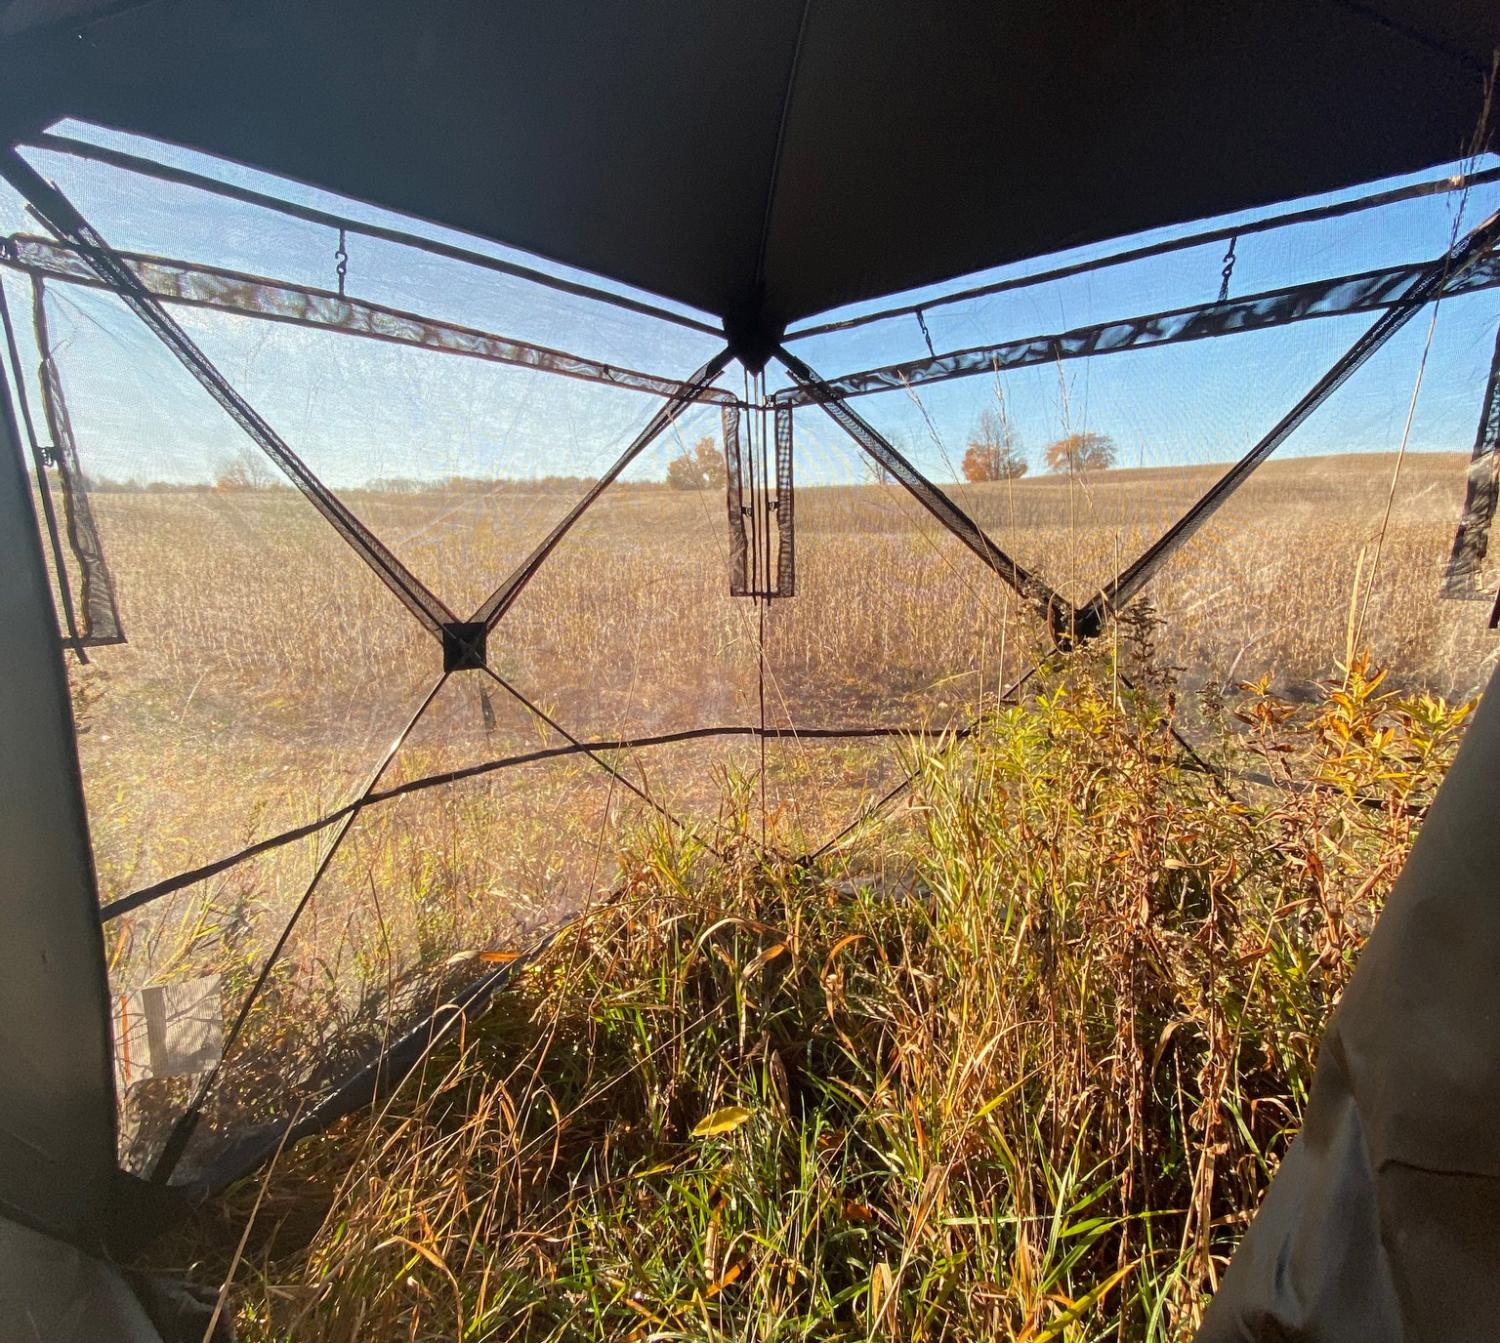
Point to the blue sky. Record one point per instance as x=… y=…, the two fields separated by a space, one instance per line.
x=360 y=410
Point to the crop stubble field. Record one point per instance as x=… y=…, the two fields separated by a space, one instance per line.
x=267 y=671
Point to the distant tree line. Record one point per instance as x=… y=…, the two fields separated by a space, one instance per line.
x=699 y=467
x=995 y=452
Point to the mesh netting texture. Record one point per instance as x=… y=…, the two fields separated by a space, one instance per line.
x=404 y=599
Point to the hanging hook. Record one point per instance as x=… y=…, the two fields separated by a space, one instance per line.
x=926 y=334
x=1228 y=270
x=341 y=261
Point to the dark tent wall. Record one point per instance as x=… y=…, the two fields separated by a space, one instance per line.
x=57 y=1138
x=1381 y=1221
x=766 y=161
x=51 y=1291
x=57 y=1102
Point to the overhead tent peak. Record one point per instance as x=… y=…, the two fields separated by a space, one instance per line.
x=766 y=163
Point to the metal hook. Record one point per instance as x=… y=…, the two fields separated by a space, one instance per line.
x=1228 y=270
x=926 y=334
x=341 y=261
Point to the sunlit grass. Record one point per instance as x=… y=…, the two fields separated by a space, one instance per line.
x=1016 y=1065
x=267 y=669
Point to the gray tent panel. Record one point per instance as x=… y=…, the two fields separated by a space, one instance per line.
x=1381 y=1224
x=57 y=1104
x=52 y=1291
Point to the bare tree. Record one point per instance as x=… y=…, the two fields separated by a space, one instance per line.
x=247 y=471
x=994 y=451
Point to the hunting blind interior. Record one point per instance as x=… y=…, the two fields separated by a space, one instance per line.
x=363 y=538
x=403 y=575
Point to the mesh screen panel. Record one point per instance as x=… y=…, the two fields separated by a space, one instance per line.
x=629 y=629
x=221 y=927
x=960 y=316
x=683 y=602
x=897 y=629
x=1322 y=553
x=265 y=662
x=172 y=220
x=421 y=886
x=1103 y=443
x=1272 y=588
x=460 y=467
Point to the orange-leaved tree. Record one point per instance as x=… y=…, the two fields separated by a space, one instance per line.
x=1081 y=452
x=700 y=467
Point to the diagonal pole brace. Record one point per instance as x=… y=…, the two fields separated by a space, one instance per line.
x=492 y=610
x=1030 y=587
x=63 y=218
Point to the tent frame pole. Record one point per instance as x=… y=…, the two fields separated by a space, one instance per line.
x=162 y=172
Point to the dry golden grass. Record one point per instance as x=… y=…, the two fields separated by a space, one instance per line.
x=267 y=670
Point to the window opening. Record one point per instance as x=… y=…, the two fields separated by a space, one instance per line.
x=758 y=478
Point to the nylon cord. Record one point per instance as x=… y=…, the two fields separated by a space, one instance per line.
x=763 y=601
x=593 y=755
x=1411 y=412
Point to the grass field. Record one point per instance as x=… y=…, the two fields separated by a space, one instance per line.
x=1019 y=1070
x=261 y=648
x=267 y=671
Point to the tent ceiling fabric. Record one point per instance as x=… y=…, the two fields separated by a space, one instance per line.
x=767 y=161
